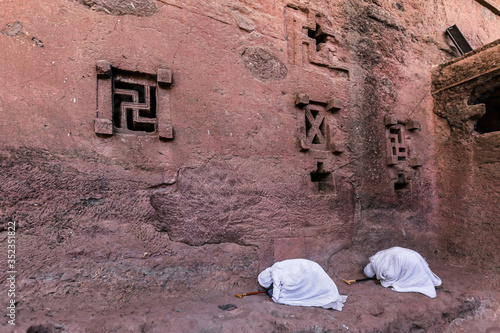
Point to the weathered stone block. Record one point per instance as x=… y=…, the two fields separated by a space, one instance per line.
x=165 y=132
x=390 y=120
x=301 y=100
x=264 y=65
x=164 y=76
x=412 y=124
x=414 y=162
x=103 y=68
x=391 y=160
x=303 y=145
x=120 y=7
x=336 y=147
x=333 y=105
x=103 y=126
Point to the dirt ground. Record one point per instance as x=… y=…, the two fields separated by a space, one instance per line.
x=467 y=301
x=136 y=233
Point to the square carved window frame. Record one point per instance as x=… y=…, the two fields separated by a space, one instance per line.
x=330 y=106
x=406 y=127
x=298 y=21
x=103 y=123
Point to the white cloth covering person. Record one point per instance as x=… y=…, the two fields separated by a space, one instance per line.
x=403 y=270
x=301 y=282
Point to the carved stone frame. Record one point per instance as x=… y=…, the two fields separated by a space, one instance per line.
x=103 y=123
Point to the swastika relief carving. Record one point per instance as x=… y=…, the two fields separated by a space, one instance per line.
x=397 y=134
x=133 y=103
x=399 y=152
x=311 y=40
x=396 y=142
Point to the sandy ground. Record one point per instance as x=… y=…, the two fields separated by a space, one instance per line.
x=467 y=301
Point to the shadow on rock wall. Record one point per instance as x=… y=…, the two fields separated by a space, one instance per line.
x=217 y=204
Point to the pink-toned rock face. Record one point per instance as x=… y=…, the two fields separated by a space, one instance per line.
x=118 y=7
x=157 y=146
x=470 y=154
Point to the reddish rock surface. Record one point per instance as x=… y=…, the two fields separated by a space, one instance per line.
x=262 y=131
x=468 y=194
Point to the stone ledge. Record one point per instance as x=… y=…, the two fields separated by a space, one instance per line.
x=482 y=61
x=493 y=5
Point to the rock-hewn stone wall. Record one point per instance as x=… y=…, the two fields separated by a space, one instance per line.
x=468 y=159
x=264 y=132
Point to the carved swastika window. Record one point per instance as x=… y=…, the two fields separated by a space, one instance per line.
x=396 y=145
x=401 y=153
x=132 y=102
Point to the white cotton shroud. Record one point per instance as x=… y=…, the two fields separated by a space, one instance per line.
x=404 y=270
x=301 y=282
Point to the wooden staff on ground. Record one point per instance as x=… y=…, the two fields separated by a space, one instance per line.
x=248 y=294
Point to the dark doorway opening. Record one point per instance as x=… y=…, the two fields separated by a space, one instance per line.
x=490 y=122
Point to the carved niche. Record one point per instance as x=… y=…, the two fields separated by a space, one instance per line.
x=314 y=130
x=311 y=39
x=465 y=91
x=400 y=155
x=316 y=136
x=133 y=103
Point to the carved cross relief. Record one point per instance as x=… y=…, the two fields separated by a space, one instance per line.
x=311 y=40
x=313 y=126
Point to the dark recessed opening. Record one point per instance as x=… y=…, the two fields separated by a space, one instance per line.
x=402 y=154
x=318 y=35
x=400 y=186
x=119 y=98
x=322 y=178
x=308 y=126
x=396 y=131
x=151 y=113
x=401 y=183
x=458 y=40
x=318 y=137
x=490 y=121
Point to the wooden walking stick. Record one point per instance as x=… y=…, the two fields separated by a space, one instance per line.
x=248 y=294
x=358 y=280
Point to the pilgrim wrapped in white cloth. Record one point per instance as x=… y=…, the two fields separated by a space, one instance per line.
x=301 y=282
x=403 y=270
